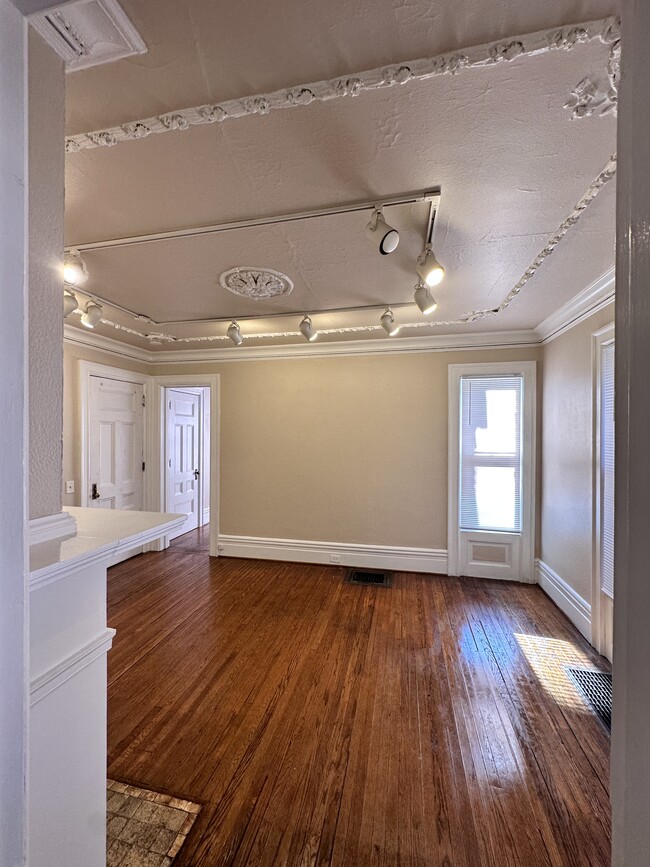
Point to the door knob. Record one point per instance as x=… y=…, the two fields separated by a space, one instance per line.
x=94 y=493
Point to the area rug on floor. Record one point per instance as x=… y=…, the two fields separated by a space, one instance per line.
x=145 y=828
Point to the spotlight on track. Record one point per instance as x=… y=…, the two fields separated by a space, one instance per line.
x=70 y=303
x=428 y=267
x=388 y=322
x=92 y=315
x=75 y=271
x=234 y=333
x=424 y=299
x=381 y=234
x=307 y=329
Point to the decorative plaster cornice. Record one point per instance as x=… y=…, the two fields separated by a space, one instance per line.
x=503 y=51
x=584 y=304
x=589 y=97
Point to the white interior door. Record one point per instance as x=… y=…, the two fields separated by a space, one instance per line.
x=183 y=457
x=491 y=480
x=115 y=444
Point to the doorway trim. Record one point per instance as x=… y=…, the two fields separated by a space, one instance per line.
x=86 y=370
x=155 y=413
x=599 y=338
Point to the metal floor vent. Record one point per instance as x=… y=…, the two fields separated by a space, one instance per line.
x=596 y=688
x=370 y=577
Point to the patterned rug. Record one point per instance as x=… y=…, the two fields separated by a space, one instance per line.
x=145 y=828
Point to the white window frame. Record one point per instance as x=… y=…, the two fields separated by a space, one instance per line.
x=528 y=370
x=601 y=637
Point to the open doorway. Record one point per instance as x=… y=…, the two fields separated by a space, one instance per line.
x=186 y=461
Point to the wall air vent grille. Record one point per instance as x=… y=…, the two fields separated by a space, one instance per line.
x=596 y=688
x=88 y=32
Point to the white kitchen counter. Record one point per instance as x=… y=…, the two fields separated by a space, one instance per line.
x=101 y=535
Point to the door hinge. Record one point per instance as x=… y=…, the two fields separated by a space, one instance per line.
x=143 y=466
x=144 y=400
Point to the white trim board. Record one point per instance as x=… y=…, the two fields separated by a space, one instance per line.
x=56 y=676
x=402 y=559
x=577 y=609
x=580 y=307
x=51 y=527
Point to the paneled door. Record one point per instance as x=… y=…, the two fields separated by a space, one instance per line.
x=183 y=411
x=115 y=444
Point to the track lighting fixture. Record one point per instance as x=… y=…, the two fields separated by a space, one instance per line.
x=388 y=322
x=424 y=299
x=381 y=234
x=70 y=303
x=234 y=333
x=307 y=329
x=92 y=315
x=75 y=272
x=428 y=267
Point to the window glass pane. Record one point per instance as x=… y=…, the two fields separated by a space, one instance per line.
x=490 y=453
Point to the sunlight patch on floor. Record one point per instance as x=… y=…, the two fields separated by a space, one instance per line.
x=548 y=657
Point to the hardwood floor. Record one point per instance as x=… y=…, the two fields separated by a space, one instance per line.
x=325 y=723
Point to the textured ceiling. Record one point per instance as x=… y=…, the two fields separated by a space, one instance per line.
x=510 y=162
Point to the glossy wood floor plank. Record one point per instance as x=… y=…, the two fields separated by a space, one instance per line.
x=322 y=723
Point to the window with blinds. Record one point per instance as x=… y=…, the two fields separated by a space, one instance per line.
x=491 y=453
x=607 y=469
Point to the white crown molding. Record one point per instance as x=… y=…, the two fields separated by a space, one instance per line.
x=51 y=528
x=56 y=676
x=605 y=30
x=87 y=33
x=90 y=340
x=432 y=343
x=584 y=304
x=565 y=597
x=403 y=559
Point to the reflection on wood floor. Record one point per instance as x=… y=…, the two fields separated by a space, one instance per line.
x=324 y=723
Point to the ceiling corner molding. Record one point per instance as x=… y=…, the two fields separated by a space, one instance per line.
x=89 y=340
x=87 y=33
x=580 y=307
x=515 y=48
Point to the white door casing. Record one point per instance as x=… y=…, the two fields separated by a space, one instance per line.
x=115 y=444
x=489 y=553
x=602 y=604
x=183 y=457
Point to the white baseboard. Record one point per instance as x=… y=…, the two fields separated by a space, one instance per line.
x=52 y=527
x=336 y=553
x=565 y=597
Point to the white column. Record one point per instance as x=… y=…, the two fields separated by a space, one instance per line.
x=13 y=454
x=631 y=712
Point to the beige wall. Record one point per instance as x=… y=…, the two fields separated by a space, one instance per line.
x=45 y=227
x=567 y=448
x=338 y=449
x=349 y=449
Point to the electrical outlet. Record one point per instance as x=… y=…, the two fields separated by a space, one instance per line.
x=219 y=547
x=335 y=558
x=69 y=487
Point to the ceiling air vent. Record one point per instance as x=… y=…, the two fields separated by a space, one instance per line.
x=88 y=32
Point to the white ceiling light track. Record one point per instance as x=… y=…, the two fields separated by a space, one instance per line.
x=587 y=98
x=603 y=177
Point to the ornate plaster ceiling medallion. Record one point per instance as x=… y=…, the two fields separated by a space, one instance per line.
x=258 y=284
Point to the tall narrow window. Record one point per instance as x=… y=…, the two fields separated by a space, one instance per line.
x=607 y=470
x=491 y=453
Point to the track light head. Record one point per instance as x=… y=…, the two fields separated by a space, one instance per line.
x=428 y=267
x=75 y=271
x=381 y=234
x=234 y=333
x=424 y=299
x=388 y=322
x=92 y=315
x=307 y=329
x=70 y=303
